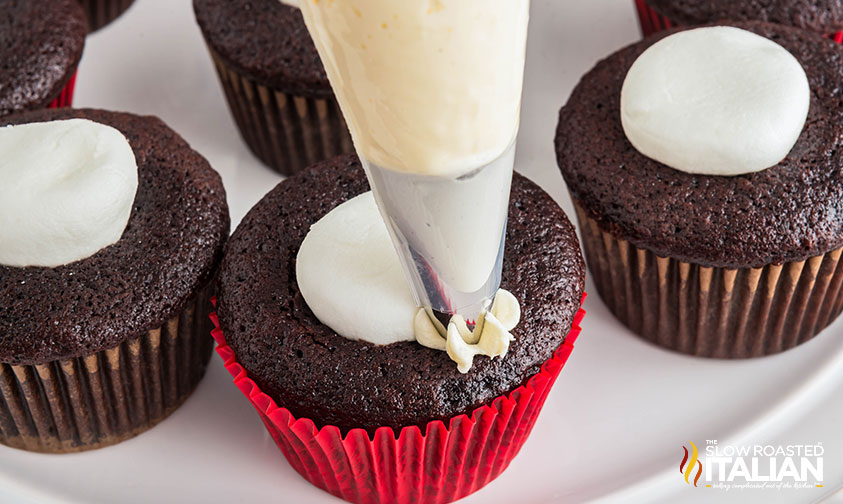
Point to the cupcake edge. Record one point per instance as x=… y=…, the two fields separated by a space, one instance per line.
x=652 y=22
x=106 y=397
x=102 y=12
x=710 y=311
x=437 y=462
x=287 y=132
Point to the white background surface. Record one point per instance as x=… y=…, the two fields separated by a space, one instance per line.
x=613 y=427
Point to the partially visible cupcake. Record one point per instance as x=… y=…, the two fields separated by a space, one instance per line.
x=113 y=228
x=274 y=81
x=103 y=12
x=41 y=42
x=368 y=413
x=821 y=16
x=705 y=170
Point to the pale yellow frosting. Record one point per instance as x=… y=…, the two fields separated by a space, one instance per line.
x=427 y=86
x=491 y=336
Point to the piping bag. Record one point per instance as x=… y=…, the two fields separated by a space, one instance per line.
x=431 y=91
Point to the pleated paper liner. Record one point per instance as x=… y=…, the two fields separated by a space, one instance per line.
x=435 y=463
x=653 y=22
x=65 y=98
x=286 y=132
x=102 y=12
x=103 y=398
x=709 y=311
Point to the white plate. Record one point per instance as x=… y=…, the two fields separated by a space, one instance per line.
x=613 y=427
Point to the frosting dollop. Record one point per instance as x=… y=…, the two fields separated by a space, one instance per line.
x=490 y=336
x=349 y=274
x=715 y=101
x=67 y=191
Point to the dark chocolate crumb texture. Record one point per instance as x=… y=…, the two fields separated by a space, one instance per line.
x=267 y=41
x=41 y=42
x=172 y=244
x=823 y=16
x=789 y=212
x=306 y=367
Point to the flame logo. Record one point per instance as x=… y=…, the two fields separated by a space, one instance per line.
x=689 y=468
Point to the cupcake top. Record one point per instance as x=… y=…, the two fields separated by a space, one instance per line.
x=169 y=249
x=316 y=373
x=41 y=42
x=788 y=212
x=824 y=16
x=267 y=41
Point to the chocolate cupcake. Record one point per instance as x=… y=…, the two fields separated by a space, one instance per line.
x=41 y=42
x=821 y=16
x=99 y=349
x=103 y=12
x=717 y=266
x=382 y=406
x=274 y=82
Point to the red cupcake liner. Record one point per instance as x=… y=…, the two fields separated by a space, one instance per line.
x=436 y=463
x=653 y=22
x=650 y=20
x=65 y=98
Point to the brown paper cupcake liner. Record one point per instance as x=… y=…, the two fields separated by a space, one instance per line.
x=653 y=22
x=287 y=132
x=102 y=12
x=106 y=397
x=710 y=311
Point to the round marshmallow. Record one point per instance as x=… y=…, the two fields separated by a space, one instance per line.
x=350 y=276
x=67 y=191
x=715 y=101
